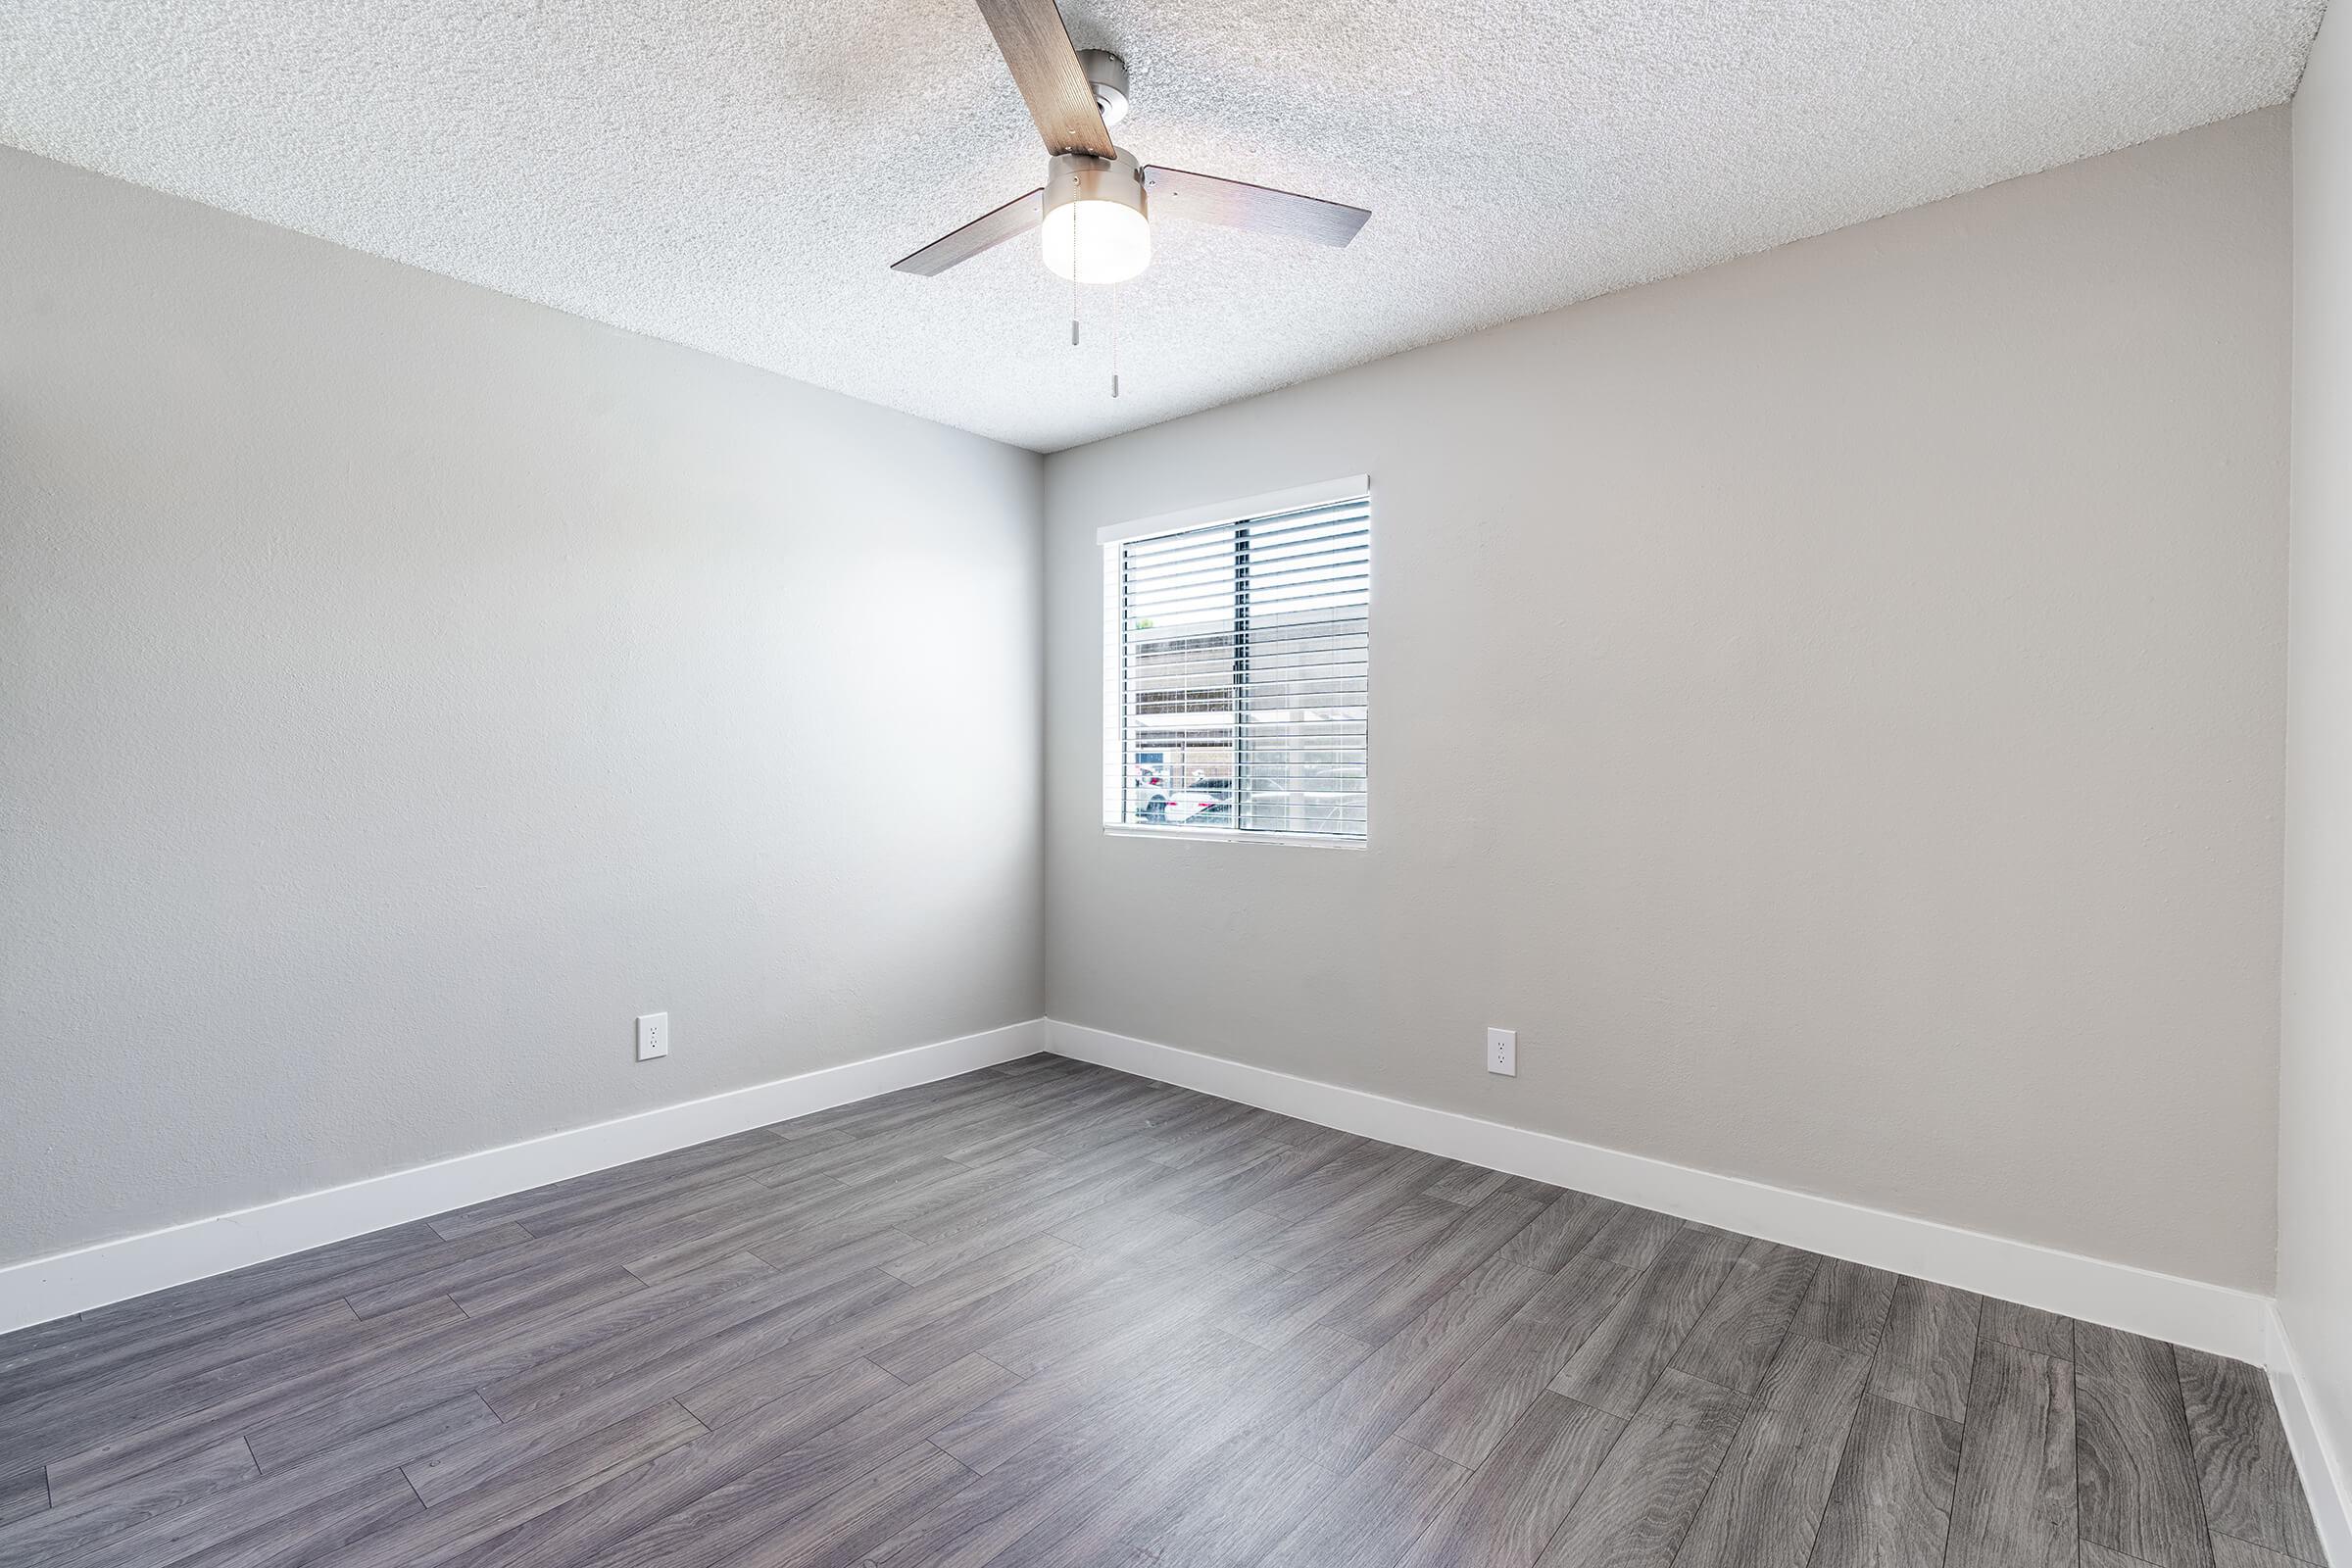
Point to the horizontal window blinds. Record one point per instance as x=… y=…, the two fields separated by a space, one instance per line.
x=1238 y=675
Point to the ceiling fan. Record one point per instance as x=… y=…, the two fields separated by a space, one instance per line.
x=1095 y=210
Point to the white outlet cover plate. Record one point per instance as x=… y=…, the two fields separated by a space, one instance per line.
x=1502 y=1053
x=653 y=1036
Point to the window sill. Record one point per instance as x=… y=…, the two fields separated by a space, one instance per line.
x=1205 y=835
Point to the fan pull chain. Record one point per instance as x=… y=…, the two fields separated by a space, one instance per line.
x=1114 y=340
x=1073 y=285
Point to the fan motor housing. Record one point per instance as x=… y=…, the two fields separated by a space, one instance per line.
x=1083 y=177
x=1106 y=74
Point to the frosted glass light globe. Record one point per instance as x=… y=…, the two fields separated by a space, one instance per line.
x=1096 y=241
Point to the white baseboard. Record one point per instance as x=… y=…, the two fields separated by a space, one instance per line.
x=64 y=1283
x=2210 y=1318
x=2325 y=1480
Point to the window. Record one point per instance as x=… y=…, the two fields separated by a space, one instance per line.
x=1236 y=668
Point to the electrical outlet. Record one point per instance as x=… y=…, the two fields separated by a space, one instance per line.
x=653 y=1036
x=1502 y=1053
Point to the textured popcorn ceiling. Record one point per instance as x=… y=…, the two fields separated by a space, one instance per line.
x=737 y=175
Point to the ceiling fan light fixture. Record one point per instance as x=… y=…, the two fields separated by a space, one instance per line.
x=1090 y=214
x=1097 y=228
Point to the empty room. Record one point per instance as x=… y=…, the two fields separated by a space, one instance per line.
x=966 y=784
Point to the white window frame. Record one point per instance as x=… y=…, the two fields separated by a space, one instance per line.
x=1293 y=499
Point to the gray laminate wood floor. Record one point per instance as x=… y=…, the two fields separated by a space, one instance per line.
x=1050 y=1314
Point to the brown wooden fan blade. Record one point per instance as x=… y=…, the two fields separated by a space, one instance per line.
x=1180 y=193
x=1036 y=48
x=1016 y=217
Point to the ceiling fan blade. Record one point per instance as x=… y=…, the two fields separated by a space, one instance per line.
x=1016 y=217
x=1204 y=198
x=1036 y=48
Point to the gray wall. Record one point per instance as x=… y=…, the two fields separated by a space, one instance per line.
x=1830 y=705
x=403 y=687
x=2315 y=1134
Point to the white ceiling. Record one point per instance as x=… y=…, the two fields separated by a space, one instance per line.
x=737 y=174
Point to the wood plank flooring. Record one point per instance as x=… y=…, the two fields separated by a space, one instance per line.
x=1049 y=1314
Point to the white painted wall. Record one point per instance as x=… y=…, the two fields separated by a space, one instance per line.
x=1831 y=705
x=402 y=687
x=2315 y=1146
